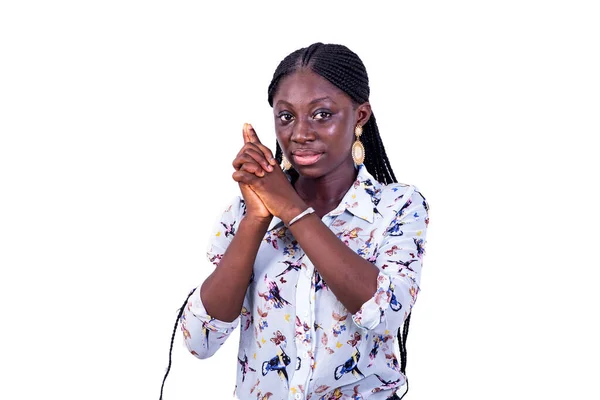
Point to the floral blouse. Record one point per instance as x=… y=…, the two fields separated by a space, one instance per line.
x=297 y=340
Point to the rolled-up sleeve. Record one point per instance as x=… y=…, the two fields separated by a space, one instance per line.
x=400 y=260
x=204 y=335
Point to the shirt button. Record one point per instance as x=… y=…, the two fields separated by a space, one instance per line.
x=298 y=396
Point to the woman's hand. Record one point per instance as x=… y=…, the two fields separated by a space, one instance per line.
x=253 y=159
x=254 y=169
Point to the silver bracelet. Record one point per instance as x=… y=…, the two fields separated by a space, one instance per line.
x=309 y=210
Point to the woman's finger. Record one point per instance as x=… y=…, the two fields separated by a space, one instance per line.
x=250 y=163
x=251 y=134
x=245 y=133
x=267 y=153
x=261 y=149
x=242 y=159
x=253 y=169
x=252 y=137
x=257 y=154
x=243 y=177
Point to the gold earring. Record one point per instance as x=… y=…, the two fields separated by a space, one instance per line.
x=358 y=150
x=285 y=163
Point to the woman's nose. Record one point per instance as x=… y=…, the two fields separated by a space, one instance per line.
x=303 y=131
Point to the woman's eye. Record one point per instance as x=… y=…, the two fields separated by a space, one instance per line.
x=285 y=117
x=322 y=115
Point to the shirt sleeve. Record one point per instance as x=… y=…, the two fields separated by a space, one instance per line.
x=204 y=335
x=399 y=259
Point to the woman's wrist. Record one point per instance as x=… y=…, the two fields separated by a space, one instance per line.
x=292 y=212
x=258 y=223
x=303 y=214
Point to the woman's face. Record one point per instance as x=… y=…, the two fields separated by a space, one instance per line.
x=314 y=124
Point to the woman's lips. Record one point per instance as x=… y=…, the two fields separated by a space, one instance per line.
x=306 y=158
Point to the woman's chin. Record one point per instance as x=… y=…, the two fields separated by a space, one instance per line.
x=309 y=171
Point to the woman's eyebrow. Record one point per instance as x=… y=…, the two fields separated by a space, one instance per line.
x=280 y=102
x=322 y=99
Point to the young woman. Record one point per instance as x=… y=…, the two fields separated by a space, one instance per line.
x=318 y=262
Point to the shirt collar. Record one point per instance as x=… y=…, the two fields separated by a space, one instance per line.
x=362 y=197
x=360 y=200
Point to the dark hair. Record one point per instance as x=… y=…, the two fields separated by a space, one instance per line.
x=345 y=70
x=179 y=314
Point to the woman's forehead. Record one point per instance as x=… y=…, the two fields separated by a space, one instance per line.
x=306 y=86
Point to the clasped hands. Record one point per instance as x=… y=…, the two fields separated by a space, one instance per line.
x=264 y=186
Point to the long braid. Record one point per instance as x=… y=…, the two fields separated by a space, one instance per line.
x=179 y=314
x=345 y=70
x=380 y=167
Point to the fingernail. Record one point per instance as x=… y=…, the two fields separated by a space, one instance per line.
x=249 y=126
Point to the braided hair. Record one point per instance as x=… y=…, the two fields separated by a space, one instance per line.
x=345 y=70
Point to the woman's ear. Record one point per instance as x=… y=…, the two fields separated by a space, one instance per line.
x=363 y=113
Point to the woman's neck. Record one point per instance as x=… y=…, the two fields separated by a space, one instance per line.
x=326 y=191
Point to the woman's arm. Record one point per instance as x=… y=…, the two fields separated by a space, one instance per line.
x=223 y=292
x=350 y=277
x=210 y=315
x=359 y=284
x=204 y=333
x=212 y=311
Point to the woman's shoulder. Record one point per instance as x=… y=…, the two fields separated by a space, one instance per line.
x=397 y=196
x=390 y=198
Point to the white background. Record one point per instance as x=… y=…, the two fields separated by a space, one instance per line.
x=119 y=121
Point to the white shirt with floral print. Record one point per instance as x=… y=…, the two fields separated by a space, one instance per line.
x=297 y=340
